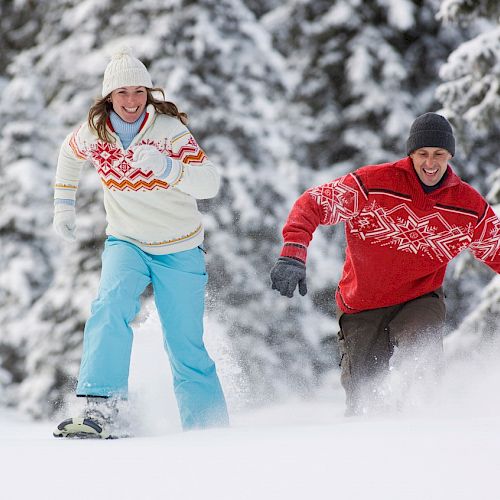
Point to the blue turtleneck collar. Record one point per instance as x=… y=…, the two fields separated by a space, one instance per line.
x=126 y=131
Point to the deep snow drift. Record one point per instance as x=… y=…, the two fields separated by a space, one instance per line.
x=297 y=450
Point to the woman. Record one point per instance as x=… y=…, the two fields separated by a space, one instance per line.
x=152 y=171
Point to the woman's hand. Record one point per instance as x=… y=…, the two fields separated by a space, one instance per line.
x=147 y=157
x=65 y=222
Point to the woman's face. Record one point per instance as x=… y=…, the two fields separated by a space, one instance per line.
x=129 y=102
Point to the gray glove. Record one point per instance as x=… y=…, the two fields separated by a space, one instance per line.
x=286 y=274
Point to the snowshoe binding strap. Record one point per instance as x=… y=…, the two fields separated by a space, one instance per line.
x=81 y=428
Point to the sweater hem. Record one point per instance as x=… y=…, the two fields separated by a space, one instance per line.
x=185 y=242
x=351 y=310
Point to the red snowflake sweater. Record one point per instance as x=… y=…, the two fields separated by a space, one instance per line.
x=399 y=239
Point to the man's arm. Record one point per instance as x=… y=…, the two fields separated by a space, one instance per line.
x=330 y=203
x=485 y=244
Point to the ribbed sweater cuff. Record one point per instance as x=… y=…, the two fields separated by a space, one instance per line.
x=176 y=173
x=168 y=168
x=295 y=251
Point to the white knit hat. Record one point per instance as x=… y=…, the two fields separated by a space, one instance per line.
x=124 y=70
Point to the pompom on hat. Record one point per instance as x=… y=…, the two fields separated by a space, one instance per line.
x=431 y=130
x=124 y=70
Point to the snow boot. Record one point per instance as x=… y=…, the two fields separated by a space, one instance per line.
x=99 y=420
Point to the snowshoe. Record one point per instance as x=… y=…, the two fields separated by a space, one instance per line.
x=82 y=428
x=99 y=420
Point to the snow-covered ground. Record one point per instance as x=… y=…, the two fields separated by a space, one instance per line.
x=272 y=454
x=297 y=450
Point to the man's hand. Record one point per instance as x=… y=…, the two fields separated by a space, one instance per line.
x=286 y=274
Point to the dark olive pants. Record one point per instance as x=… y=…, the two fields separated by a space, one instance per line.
x=407 y=337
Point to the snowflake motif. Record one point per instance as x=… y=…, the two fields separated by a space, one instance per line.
x=162 y=146
x=364 y=222
x=402 y=229
x=495 y=231
x=339 y=201
x=487 y=247
x=412 y=234
x=116 y=168
x=105 y=154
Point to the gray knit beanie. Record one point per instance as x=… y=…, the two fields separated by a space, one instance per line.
x=431 y=130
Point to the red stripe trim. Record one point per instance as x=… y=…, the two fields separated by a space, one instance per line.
x=144 y=121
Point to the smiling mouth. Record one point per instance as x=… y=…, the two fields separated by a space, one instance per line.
x=131 y=110
x=431 y=172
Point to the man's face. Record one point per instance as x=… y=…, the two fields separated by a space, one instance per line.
x=430 y=164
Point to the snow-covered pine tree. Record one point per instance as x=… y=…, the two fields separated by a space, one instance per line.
x=25 y=189
x=45 y=285
x=25 y=151
x=470 y=95
x=335 y=87
x=364 y=71
x=217 y=63
x=470 y=89
x=225 y=67
x=19 y=24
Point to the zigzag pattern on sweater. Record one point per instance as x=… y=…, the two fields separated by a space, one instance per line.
x=189 y=153
x=126 y=185
x=116 y=171
x=73 y=143
x=115 y=167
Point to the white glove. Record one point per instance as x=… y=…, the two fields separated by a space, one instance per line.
x=147 y=157
x=65 y=222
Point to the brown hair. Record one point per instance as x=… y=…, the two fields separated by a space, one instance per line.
x=100 y=111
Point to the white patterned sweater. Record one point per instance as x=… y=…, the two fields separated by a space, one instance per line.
x=159 y=215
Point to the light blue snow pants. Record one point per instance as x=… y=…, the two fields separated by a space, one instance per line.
x=179 y=281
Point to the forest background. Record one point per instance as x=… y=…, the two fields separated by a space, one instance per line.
x=282 y=95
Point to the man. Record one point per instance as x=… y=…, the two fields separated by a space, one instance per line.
x=404 y=222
